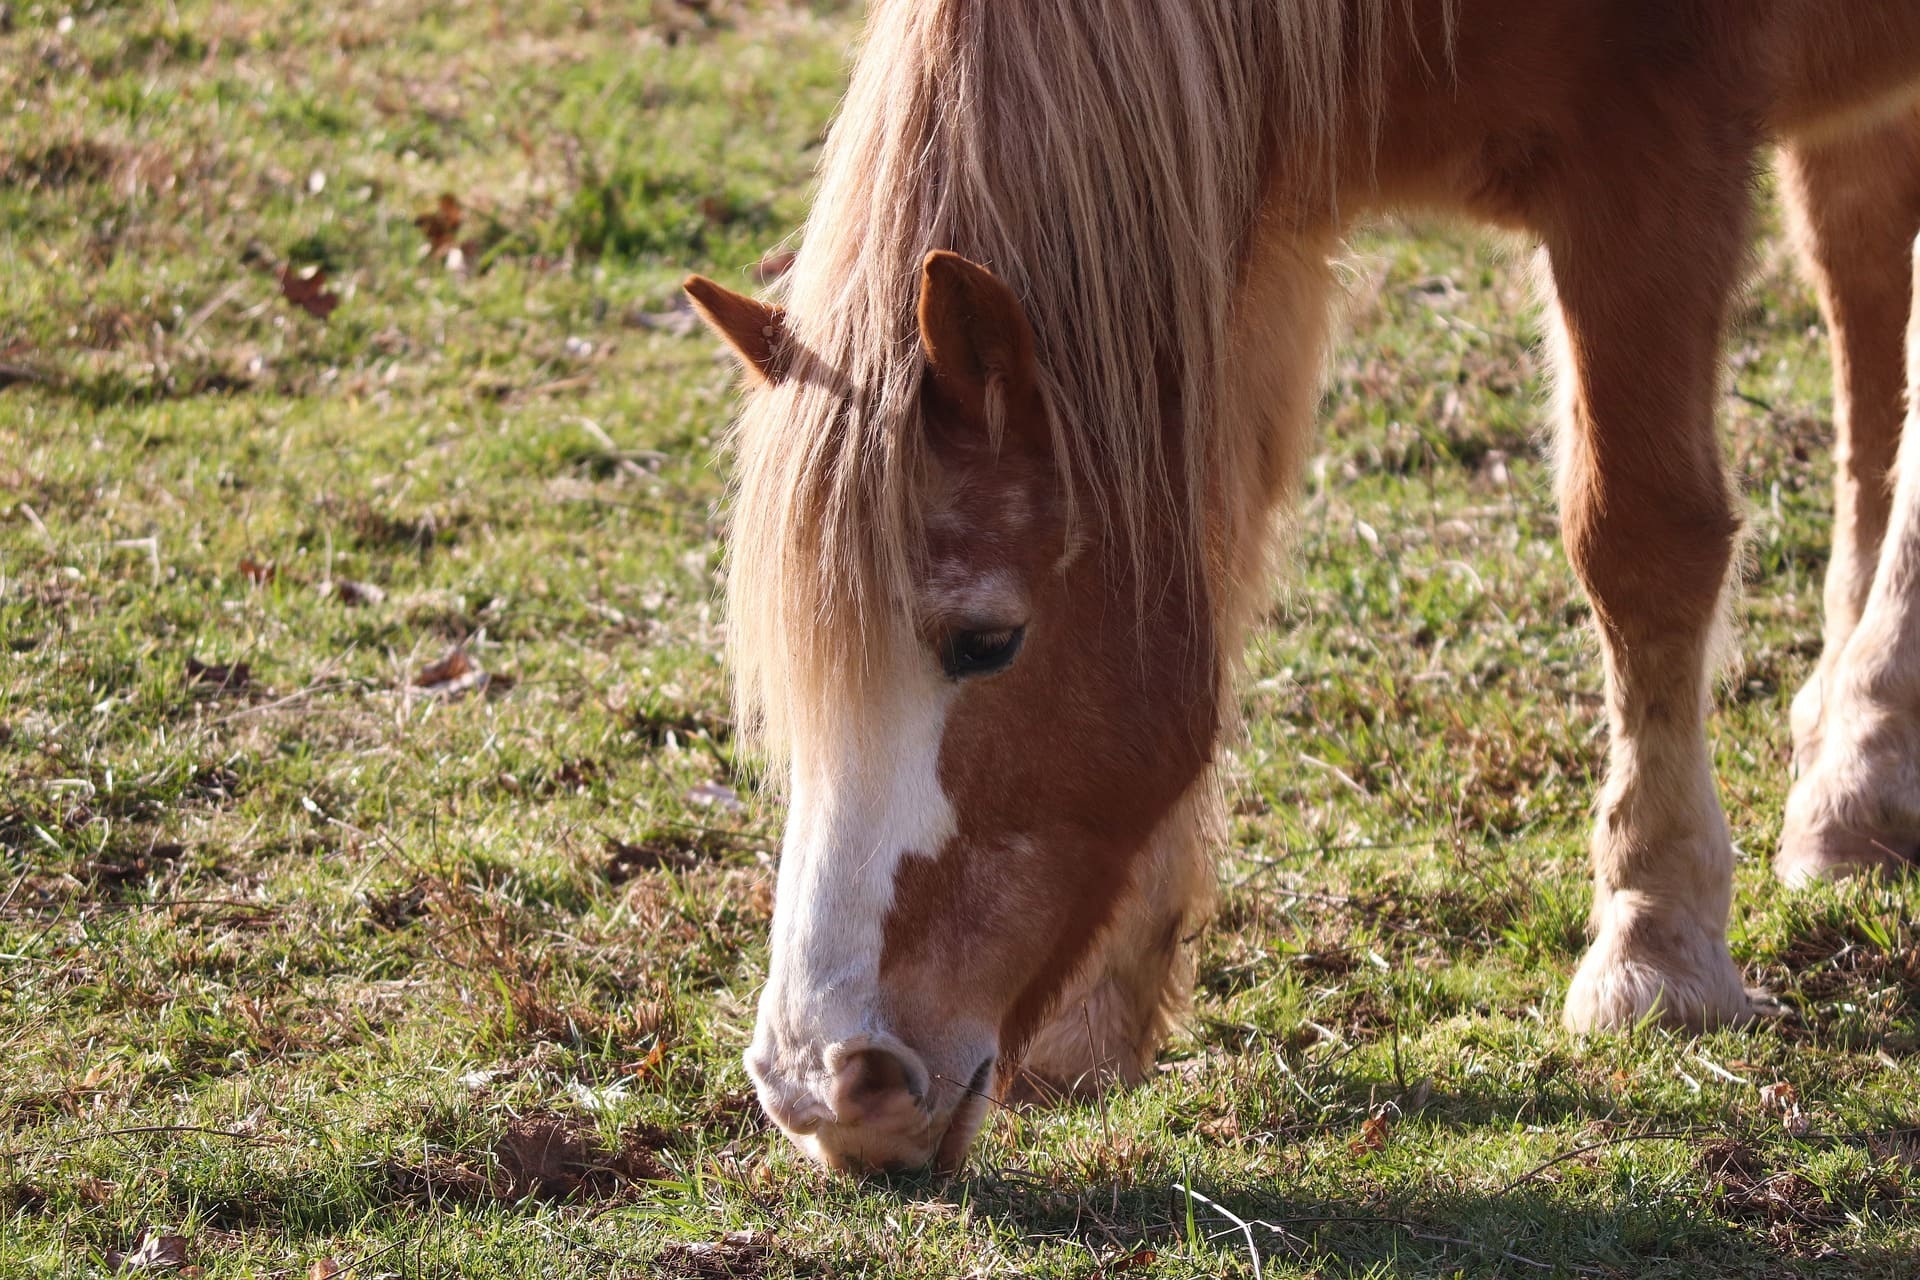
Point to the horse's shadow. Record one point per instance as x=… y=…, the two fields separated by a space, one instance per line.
x=1442 y=1231
x=1729 y=1215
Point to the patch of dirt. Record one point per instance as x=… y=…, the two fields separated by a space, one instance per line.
x=399 y=907
x=656 y=724
x=1746 y=1192
x=371 y=529
x=665 y=848
x=736 y=1254
x=737 y=1113
x=53 y=166
x=539 y=1157
x=128 y=868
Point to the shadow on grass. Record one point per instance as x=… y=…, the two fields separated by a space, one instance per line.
x=1605 y=1230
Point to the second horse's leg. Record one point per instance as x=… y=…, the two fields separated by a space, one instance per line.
x=1857 y=804
x=1855 y=205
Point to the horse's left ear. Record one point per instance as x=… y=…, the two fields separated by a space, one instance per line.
x=755 y=330
x=979 y=346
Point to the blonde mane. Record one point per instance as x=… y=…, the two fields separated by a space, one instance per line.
x=1104 y=158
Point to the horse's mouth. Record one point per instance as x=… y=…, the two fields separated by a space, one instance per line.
x=950 y=1154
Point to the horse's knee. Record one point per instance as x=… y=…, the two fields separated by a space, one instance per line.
x=1655 y=557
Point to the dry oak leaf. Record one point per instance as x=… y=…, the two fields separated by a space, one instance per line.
x=452 y=676
x=774 y=266
x=155 y=1252
x=715 y=795
x=678 y=319
x=1373 y=1133
x=307 y=289
x=325 y=1269
x=441 y=224
x=349 y=592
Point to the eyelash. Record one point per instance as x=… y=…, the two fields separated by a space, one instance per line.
x=964 y=654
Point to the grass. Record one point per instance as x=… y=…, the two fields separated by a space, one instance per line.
x=304 y=963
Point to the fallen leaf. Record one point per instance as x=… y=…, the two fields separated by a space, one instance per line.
x=235 y=675
x=352 y=593
x=1781 y=1099
x=155 y=1252
x=678 y=319
x=307 y=289
x=1373 y=1133
x=441 y=224
x=325 y=1269
x=773 y=266
x=715 y=795
x=652 y=1060
x=256 y=573
x=735 y=1253
x=451 y=676
x=93 y=1190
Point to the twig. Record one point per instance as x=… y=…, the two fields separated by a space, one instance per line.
x=17 y=882
x=145 y=1128
x=33 y=518
x=158 y=904
x=1230 y=1216
x=323 y=686
x=205 y=313
x=978 y=1093
x=1413 y=1230
x=1658 y=1135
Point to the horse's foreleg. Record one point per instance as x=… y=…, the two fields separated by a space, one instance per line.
x=1855 y=205
x=1650 y=529
x=1857 y=804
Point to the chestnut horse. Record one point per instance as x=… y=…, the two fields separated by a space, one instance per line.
x=1043 y=374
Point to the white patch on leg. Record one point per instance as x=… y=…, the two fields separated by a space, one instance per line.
x=1856 y=804
x=1663 y=879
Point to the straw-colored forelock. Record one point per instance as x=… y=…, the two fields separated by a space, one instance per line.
x=1101 y=157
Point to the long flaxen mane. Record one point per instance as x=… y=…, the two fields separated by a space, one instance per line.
x=1103 y=157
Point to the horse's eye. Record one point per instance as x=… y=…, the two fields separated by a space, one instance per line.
x=979 y=653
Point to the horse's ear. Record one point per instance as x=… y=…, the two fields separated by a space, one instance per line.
x=755 y=330
x=979 y=346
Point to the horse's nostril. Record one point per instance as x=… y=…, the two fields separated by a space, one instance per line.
x=979 y=1082
x=872 y=1074
x=871 y=1080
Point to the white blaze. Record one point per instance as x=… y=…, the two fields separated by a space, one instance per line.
x=858 y=806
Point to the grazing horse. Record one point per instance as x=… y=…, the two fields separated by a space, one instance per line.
x=1041 y=377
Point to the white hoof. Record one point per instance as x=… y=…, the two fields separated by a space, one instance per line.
x=1666 y=969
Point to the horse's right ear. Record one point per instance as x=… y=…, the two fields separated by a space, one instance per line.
x=755 y=330
x=979 y=347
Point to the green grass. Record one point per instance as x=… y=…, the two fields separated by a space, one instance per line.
x=304 y=963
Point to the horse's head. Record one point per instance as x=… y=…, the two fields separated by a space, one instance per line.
x=965 y=815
